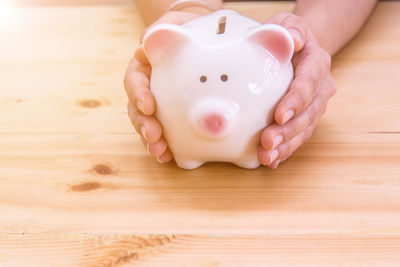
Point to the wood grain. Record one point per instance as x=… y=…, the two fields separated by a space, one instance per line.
x=189 y=250
x=39 y=3
x=78 y=189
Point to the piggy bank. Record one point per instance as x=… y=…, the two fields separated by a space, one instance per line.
x=216 y=81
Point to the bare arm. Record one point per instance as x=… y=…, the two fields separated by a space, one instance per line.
x=151 y=10
x=334 y=22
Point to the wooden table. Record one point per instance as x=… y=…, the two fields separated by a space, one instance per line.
x=78 y=189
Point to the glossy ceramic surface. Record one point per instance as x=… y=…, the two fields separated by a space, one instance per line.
x=215 y=92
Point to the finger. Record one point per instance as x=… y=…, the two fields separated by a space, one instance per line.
x=146 y=126
x=145 y=144
x=137 y=87
x=272 y=158
x=287 y=149
x=166 y=157
x=275 y=164
x=162 y=157
x=140 y=55
x=295 y=25
x=303 y=125
x=158 y=148
x=276 y=134
x=264 y=156
x=309 y=73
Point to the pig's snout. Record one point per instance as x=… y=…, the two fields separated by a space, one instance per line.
x=212 y=118
x=213 y=123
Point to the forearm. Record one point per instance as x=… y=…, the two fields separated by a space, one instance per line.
x=334 y=22
x=151 y=10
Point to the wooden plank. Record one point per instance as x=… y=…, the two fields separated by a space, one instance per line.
x=334 y=184
x=40 y=3
x=78 y=189
x=189 y=250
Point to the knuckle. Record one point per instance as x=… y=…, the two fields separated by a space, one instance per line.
x=135 y=117
x=311 y=114
x=308 y=132
x=286 y=150
x=137 y=122
x=135 y=86
x=323 y=109
x=305 y=81
x=283 y=150
x=158 y=148
x=326 y=59
x=298 y=96
x=332 y=89
x=156 y=129
x=129 y=73
x=293 y=21
x=132 y=113
x=130 y=82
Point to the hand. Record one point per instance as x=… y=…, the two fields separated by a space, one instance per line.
x=142 y=106
x=297 y=114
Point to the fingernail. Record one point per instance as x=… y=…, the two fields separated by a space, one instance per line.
x=295 y=34
x=274 y=155
x=159 y=160
x=143 y=131
x=139 y=104
x=288 y=115
x=276 y=164
x=277 y=141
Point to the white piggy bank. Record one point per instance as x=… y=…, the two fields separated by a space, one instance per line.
x=216 y=81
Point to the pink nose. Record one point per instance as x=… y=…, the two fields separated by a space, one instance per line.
x=213 y=123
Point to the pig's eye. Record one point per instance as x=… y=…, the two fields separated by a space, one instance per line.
x=224 y=77
x=203 y=79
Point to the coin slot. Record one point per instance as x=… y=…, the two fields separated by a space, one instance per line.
x=221 y=25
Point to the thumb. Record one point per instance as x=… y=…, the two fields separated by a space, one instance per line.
x=297 y=38
x=295 y=25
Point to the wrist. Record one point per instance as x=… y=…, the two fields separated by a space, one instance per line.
x=321 y=27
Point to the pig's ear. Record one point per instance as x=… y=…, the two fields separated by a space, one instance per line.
x=164 y=40
x=275 y=39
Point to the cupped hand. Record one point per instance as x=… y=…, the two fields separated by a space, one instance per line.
x=298 y=113
x=142 y=106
